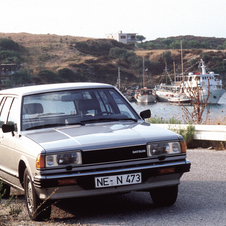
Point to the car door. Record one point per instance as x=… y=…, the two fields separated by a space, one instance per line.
x=7 y=140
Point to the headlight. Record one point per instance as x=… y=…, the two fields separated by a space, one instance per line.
x=61 y=159
x=163 y=148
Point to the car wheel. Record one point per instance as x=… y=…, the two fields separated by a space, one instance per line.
x=38 y=210
x=5 y=191
x=164 y=196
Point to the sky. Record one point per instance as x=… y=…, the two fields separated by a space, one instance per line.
x=96 y=18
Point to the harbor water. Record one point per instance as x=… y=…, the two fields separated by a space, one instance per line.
x=165 y=110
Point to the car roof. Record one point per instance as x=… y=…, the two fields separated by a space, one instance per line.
x=28 y=90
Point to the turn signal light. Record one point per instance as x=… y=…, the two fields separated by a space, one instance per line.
x=40 y=161
x=183 y=147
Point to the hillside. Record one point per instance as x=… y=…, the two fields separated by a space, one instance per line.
x=52 y=58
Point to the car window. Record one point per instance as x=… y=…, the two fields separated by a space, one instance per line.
x=73 y=106
x=13 y=114
x=5 y=110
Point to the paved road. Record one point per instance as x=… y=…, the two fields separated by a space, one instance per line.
x=201 y=200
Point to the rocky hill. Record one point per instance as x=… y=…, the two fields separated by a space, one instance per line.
x=52 y=58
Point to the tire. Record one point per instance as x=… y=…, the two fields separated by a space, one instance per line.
x=38 y=210
x=164 y=196
x=5 y=191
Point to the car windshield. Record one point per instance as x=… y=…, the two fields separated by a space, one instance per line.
x=72 y=107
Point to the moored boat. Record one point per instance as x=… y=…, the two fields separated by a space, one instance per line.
x=164 y=92
x=209 y=84
x=180 y=99
x=145 y=95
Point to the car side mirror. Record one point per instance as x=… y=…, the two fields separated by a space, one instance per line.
x=145 y=114
x=6 y=128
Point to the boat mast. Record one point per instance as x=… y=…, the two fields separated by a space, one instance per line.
x=143 y=73
x=119 y=78
x=174 y=72
x=182 y=62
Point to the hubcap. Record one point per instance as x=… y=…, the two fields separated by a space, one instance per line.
x=30 y=203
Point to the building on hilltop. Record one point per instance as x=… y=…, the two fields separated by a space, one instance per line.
x=125 y=38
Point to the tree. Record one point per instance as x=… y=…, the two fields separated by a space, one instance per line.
x=8 y=44
x=67 y=74
x=140 y=38
x=21 y=77
x=166 y=56
x=49 y=77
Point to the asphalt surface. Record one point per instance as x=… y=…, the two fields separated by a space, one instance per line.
x=201 y=200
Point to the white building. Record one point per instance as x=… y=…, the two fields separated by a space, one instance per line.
x=125 y=38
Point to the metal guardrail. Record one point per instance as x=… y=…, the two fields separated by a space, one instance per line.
x=202 y=132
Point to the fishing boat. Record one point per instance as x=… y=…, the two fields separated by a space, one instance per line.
x=164 y=92
x=208 y=84
x=145 y=95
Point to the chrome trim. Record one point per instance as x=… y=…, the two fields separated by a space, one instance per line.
x=113 y=171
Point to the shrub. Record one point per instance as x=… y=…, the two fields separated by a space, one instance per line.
x=8 y=44
x=66 y=74
x=192 y=62
x=49 y=77
x=10 y=56
x=21 y=77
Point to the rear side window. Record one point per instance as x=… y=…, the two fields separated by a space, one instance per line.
x=5 y=110
x=13 y=114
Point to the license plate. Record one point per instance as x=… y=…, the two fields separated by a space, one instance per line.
x=117 y=180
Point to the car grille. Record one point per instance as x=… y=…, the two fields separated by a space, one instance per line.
x=113 y=155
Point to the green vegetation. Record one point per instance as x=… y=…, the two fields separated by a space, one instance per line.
x=9 y=51
x=166 y=56
x=127 y=56
x=8 y=44
x=160 y=120
x=140 y=38
x=189 y=42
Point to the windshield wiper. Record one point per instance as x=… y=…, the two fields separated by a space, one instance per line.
x=133 y=119
x=52 y=125
x=109 y=119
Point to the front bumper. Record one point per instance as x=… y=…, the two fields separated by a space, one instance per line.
x=83 y=184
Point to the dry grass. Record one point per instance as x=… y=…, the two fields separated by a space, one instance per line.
x=48 y=51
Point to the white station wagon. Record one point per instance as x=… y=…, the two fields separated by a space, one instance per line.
x=81 y=139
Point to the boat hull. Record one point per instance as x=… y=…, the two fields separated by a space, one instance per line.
x=146 y=98
x=163 y=96
x=215 y=96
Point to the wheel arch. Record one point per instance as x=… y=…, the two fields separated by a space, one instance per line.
x=22 y=167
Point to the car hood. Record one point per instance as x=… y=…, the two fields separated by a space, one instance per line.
x=99 y=136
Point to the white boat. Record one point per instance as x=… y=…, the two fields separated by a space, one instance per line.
x=180 y=99
x=192 y=82
x=164 y=92
x=145 y=95
x=200 y=80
